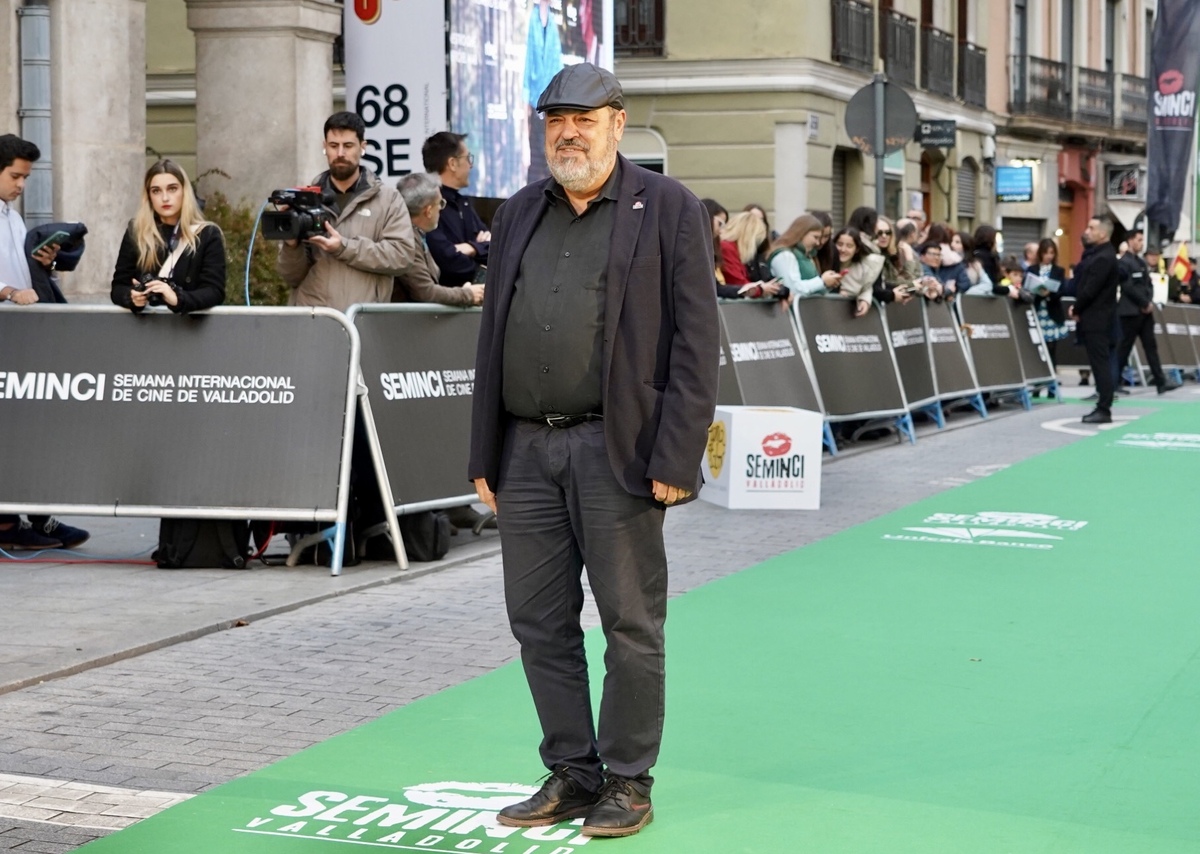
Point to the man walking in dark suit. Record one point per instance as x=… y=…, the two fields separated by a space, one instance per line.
x=595 y=382
x=1096 y=279
x=1136 y=311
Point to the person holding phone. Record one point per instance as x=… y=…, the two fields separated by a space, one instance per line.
x=170 y=254
x=740 y=239
x=860 y=268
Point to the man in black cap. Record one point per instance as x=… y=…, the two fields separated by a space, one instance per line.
x=1136 y=311
x=595 y=382
x=1097 y=277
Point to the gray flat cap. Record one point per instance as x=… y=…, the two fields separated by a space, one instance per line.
x=582 y=87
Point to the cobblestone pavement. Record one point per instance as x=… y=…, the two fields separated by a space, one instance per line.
x=184 y=718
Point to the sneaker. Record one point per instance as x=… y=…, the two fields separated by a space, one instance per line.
x=23 y=537
x=623 y=809
x=69 y=536
x=559 y=799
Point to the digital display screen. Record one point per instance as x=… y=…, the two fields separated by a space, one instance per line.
x=1014 y=183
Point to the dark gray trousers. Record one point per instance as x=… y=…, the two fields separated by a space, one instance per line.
x=560 y=508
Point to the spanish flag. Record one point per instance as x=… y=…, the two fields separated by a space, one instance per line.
x=1181 y=269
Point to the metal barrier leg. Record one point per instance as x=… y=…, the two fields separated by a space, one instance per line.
x=1176 y=375
x=1054 y=390
x=325 y=535
x=1025 y=398
x=904 y=424
x=339 y=544
x=830 y=443
x=980 y=406
x=935 y=411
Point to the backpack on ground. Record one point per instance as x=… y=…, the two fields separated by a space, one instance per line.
x=202 y=543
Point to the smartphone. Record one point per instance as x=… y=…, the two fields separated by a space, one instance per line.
x=58 y=238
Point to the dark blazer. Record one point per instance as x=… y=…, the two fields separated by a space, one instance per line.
x=199 y=275
x=661 y=336
x=1096 y=279
x=69 y=254
x=1137 y=289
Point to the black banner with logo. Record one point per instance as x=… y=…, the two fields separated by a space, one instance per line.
x=1183 y=348
x=1070 y=353
x=990 y=339
x=851 y=359
x=237 y=408
x=1165 y=342
x=419 y=368
x=951 y=365
x=1174 y=76
x=910 y=342
x=1027 y=333
x=763 y=358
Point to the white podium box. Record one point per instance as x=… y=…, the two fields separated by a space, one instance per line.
x=764 y=458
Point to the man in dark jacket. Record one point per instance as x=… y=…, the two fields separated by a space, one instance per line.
x=459 y=244
x=1136 y=311
x=1097 y=277
x=595 y=382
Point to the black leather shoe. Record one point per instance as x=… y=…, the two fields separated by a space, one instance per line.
x=1097 y=416
x=1092 y=396
x=559 y=799
x=623 y=809
x=1168 y=386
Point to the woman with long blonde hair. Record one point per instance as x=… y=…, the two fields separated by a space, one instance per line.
x=170 y=254
x=740 y=239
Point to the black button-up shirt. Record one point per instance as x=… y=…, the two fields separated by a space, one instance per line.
x=554 y=337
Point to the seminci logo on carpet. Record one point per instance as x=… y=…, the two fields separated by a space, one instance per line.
x=439 y=817
x=1161 y=441
x=1004 y=529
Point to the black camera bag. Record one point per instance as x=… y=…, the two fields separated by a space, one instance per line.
x=202 y=543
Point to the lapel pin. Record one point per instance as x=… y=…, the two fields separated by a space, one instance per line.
x=637 y=206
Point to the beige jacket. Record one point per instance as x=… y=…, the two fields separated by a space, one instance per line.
x=377 y=243
x=419 y=283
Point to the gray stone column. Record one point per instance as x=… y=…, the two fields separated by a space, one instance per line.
x=10 y=84
x=98 y=86
x=264 y=87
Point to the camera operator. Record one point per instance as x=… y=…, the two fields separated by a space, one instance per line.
x=419 y=283
x=170 y=254
x=370 y=241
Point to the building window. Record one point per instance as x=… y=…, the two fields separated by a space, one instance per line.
x=968 y=189
x=638 y=27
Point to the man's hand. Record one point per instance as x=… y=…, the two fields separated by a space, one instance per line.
x=1148 y=308
x=1184 y=298
x=1071 y=312
x=668 y=495
x=330 y=241
x=465 y=249
x=28 y=296
x=46 y=255
x=485 y=494
x=483 y=237
x=476 y=292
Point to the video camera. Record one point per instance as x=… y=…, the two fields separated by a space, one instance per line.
x=308 y=211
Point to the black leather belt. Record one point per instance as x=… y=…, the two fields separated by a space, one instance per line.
x=562 y=422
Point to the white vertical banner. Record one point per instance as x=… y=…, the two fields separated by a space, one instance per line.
x=396 y=79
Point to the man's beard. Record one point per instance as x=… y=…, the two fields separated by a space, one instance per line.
x=579 y=174
x=342 y=170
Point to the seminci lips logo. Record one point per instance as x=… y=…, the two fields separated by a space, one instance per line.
x=776 y=444
x=1170 y=82
x=368 y=11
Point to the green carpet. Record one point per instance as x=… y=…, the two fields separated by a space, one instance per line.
x=947 y=678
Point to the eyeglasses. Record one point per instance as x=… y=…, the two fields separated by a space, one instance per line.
x=470 y=158
x=441 y=203
x=884 y=232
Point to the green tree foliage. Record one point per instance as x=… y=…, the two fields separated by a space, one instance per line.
x=237 y=222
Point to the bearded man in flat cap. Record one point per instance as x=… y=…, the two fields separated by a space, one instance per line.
x=595 y=382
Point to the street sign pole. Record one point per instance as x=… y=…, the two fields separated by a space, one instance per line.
x=879 y=142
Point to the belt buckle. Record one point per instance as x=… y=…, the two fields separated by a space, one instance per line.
x=556 y=420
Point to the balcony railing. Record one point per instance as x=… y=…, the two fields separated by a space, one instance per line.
x=1094 y=96
x=972 y=74
x=1135 y=102
x=898 y=40
x=854 y=34
x=1040 y=87
x=638 y=27
x=937 y=62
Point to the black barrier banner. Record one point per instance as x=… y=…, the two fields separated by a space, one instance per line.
x=419 y=368
x=951 y=365
x=851 y=358
x=910 y=342
x=1165 y=342
x=990 y=338
x=234 y=408
x=1027 y=333
x=1174 y=75
x=1175 y=322
x=765 y=356
x=728 y=391
x=1069 y=352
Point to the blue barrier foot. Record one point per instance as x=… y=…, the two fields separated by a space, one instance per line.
x=904 y=424
x=935 y=411
x=1054 y=390
x=830 y=444
x=1176 y=375
x=1025 y=398
x=980 y=406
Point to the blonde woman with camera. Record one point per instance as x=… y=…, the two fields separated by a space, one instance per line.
x=170 y=255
